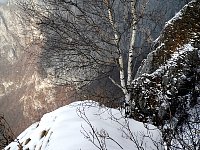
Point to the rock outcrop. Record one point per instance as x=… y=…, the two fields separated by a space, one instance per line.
x=166 y=91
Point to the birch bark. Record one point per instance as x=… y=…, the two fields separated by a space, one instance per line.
x=125 y=85
x=120 y=59
x=131 y=49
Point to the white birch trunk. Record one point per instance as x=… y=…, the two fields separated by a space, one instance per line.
x=132 y=43
x=130 y=52
x=123 y=83
x=121 y=61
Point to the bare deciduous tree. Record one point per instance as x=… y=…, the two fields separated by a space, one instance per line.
x=88 y=36
x=85 y=40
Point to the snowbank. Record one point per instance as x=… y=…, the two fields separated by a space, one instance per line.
x=87 y=126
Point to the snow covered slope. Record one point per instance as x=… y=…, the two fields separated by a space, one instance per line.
x=87 y=126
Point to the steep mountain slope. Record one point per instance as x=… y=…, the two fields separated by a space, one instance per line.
x=87 y=126
x=167 y=88
x=24 y=93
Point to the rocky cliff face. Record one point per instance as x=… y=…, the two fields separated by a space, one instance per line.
x=166 y=91
x=24 y=93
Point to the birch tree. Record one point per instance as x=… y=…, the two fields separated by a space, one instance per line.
x=87 y=39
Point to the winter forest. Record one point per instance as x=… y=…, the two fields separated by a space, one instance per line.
x=100 y=74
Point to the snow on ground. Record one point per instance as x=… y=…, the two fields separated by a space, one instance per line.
x=87 y=126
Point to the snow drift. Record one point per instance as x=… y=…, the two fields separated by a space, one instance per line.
x=87 y=126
